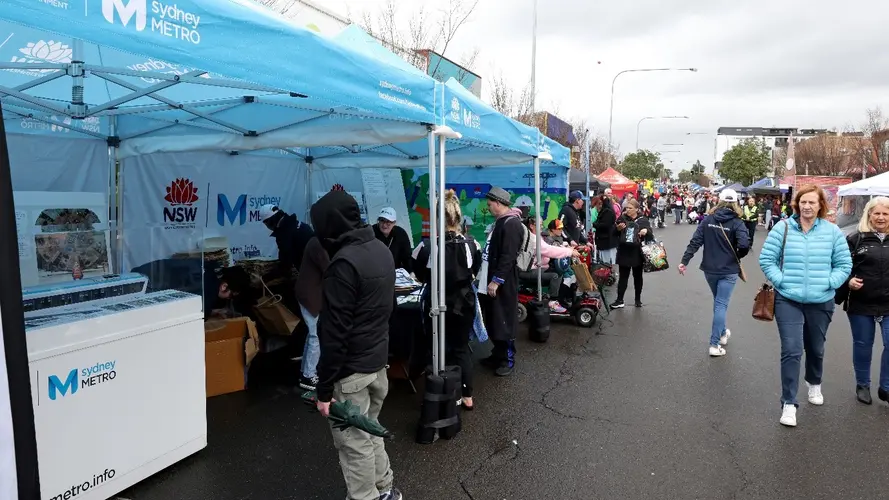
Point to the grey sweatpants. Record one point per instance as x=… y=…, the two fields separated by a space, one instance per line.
x=363 y=457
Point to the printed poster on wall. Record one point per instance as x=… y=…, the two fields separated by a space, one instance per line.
x=177 y=204
x=471 y=186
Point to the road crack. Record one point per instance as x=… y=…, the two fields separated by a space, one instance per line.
x=735 y=459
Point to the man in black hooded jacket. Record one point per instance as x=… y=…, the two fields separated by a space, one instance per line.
x=358 y=292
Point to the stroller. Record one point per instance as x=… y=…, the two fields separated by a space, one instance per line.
x=694 y=217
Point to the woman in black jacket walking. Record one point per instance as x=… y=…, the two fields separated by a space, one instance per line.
x=867 y=296
x=606 y=234
x=634 y=230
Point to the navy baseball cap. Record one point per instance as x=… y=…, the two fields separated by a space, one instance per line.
x=575 y=195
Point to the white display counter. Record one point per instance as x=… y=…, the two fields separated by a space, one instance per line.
x=118 y=391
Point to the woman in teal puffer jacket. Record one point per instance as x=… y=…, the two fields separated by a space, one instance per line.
x=816 y=261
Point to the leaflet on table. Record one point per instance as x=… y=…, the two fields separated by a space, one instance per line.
x=359 y=197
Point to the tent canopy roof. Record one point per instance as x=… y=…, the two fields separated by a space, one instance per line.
x=616 y=180
x=872 y=186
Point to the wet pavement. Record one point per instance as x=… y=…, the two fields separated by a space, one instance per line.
x=631 y=409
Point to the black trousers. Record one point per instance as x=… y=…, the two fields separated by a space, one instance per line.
x=457 y=348
x=623 y=280
x=751 y=229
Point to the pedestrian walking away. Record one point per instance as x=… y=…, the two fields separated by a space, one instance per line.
x=724 y=238
x=865 y=297
x=634 y=230
x=807 y=259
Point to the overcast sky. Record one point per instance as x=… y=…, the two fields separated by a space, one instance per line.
x=786 y=63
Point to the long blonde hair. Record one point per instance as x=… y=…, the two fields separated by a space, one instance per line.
x=864 y=224
x=453 y=212
x=731 y=205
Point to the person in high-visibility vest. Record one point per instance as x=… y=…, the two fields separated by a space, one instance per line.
x=750 y=216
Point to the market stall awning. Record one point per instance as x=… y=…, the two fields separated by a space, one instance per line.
x=872 y=186
x=617 y=180
x=236 y=77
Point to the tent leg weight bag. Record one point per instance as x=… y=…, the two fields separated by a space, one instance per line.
x=439 y=415
x=538 y=314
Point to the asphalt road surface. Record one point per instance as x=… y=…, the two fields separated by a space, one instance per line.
x=631 y=409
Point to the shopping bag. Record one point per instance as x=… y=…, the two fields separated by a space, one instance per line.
x=273 y=315
x=655 y=255
x=584 y=279
x=478 y=324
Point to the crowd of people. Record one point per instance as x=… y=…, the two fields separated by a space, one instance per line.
x=345 y=287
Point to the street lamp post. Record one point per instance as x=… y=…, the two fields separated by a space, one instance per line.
x=534 y=59
x=611 y=111
x=650 y=118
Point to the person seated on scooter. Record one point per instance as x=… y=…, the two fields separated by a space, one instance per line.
x=554 y=235
x=547 y=252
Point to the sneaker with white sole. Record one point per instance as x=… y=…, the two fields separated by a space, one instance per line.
x=716 y=350
x=788 y=415
x=727 y=334
x=815 y=396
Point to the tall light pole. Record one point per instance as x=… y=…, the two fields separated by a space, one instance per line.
x=654 y=118
x=611 y=112
x=534 y=59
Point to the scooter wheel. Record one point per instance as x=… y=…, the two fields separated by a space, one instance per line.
x=585 y=317
x=523 y=313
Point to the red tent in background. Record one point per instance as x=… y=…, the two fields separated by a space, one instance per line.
x=619 y=184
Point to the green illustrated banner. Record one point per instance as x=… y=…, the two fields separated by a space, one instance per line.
x=472 y=184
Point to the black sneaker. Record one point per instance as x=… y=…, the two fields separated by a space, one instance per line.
x=639 y=303
x=863 y=394
x=883 y=395
x=309 y=384
x=504 y=370
x=392 y=494
x=618 y=304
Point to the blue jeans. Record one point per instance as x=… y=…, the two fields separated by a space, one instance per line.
x=721 y=285
x=863 y=349
x=678 y=213
x=802 y=327
x=312 y=350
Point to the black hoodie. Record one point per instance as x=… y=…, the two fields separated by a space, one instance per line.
x=358 y=290
x=719 y=255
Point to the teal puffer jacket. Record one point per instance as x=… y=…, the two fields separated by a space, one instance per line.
x=815 y=263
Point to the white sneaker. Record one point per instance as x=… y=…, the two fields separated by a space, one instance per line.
x=727 y=334
x=716 y=350
x=788 y=416
x=815 y=396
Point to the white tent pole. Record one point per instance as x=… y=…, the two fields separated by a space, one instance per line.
x=442 y=306
x=433 y=256
x=538 y=235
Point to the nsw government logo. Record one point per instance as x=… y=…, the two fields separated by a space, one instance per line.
x=42 y=52
x=79 y=379
x=166 y=19
x=181 y=197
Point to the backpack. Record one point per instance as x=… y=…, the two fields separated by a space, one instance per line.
x=525 y=259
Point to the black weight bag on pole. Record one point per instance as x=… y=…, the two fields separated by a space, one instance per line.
x=439 y=415
x=538 y=315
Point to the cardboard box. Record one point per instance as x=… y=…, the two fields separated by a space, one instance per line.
x=229 y=347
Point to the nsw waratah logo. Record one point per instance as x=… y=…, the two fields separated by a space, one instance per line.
x=43 y=52
x=181 y=196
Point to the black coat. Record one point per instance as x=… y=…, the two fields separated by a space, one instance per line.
x=399 y=243
x=870 y=262
x=629 y=253
x=571 y=223
x=501 y=312
x=292 y=236
x=358 y=293
x=606 y=232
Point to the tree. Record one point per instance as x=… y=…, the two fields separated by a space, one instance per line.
x=686 y=176
x=746 y=162
x=830 y=154
x=505 y=99
x=582 y=133
x=697 y=169
x=642 y=164
x=668 y=174
x=424 y=31
x=876 y=131
x=601 y=154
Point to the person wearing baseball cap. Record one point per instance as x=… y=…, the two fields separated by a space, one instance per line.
x=291 y=236
x=500 y=298
x=571 y=219
x=725 y=240
x=394 y=237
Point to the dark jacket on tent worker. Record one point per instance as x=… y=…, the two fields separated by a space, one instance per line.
x=500 y=288
x=290 y=234
x=570 y=220
x=606 y=232
x=395 y=238
x=358 y=294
